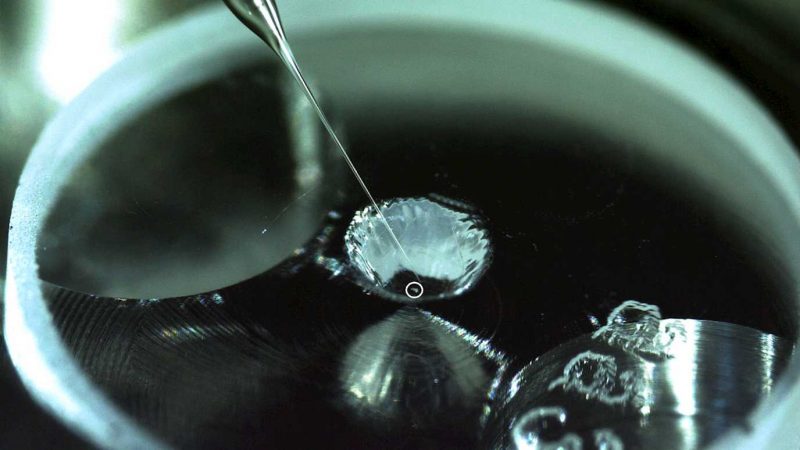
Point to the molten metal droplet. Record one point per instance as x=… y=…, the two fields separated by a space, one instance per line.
x=447 y=249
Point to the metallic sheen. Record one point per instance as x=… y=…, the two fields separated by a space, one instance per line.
x=714 y=375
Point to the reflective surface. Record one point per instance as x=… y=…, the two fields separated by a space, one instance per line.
x=715 y=373
x=360 y=376
x=372 y=375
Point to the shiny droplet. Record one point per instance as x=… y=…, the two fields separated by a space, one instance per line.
x=447 y=248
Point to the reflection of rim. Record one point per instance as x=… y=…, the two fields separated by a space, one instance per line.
x=169 y=62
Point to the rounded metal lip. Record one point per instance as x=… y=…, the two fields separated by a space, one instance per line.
x=51 y=373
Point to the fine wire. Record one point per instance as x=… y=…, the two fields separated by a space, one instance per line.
x=276 y=40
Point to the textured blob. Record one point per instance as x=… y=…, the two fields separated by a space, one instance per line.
x=637 y=328
x=595 y=376
x=605 y=439
x=542 y=429
x=445 y=248
x=414 y=371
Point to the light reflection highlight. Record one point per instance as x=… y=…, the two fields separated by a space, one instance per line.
x=681 y=372
x=414 y=370
x=78 y=44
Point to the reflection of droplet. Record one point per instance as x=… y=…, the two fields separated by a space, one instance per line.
x=636 y=327
x=410 y=371
x=605 y=439
x=543 y=429
x=446 y=247
x=595 y=377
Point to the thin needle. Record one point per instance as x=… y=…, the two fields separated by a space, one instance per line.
x=261 y=17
